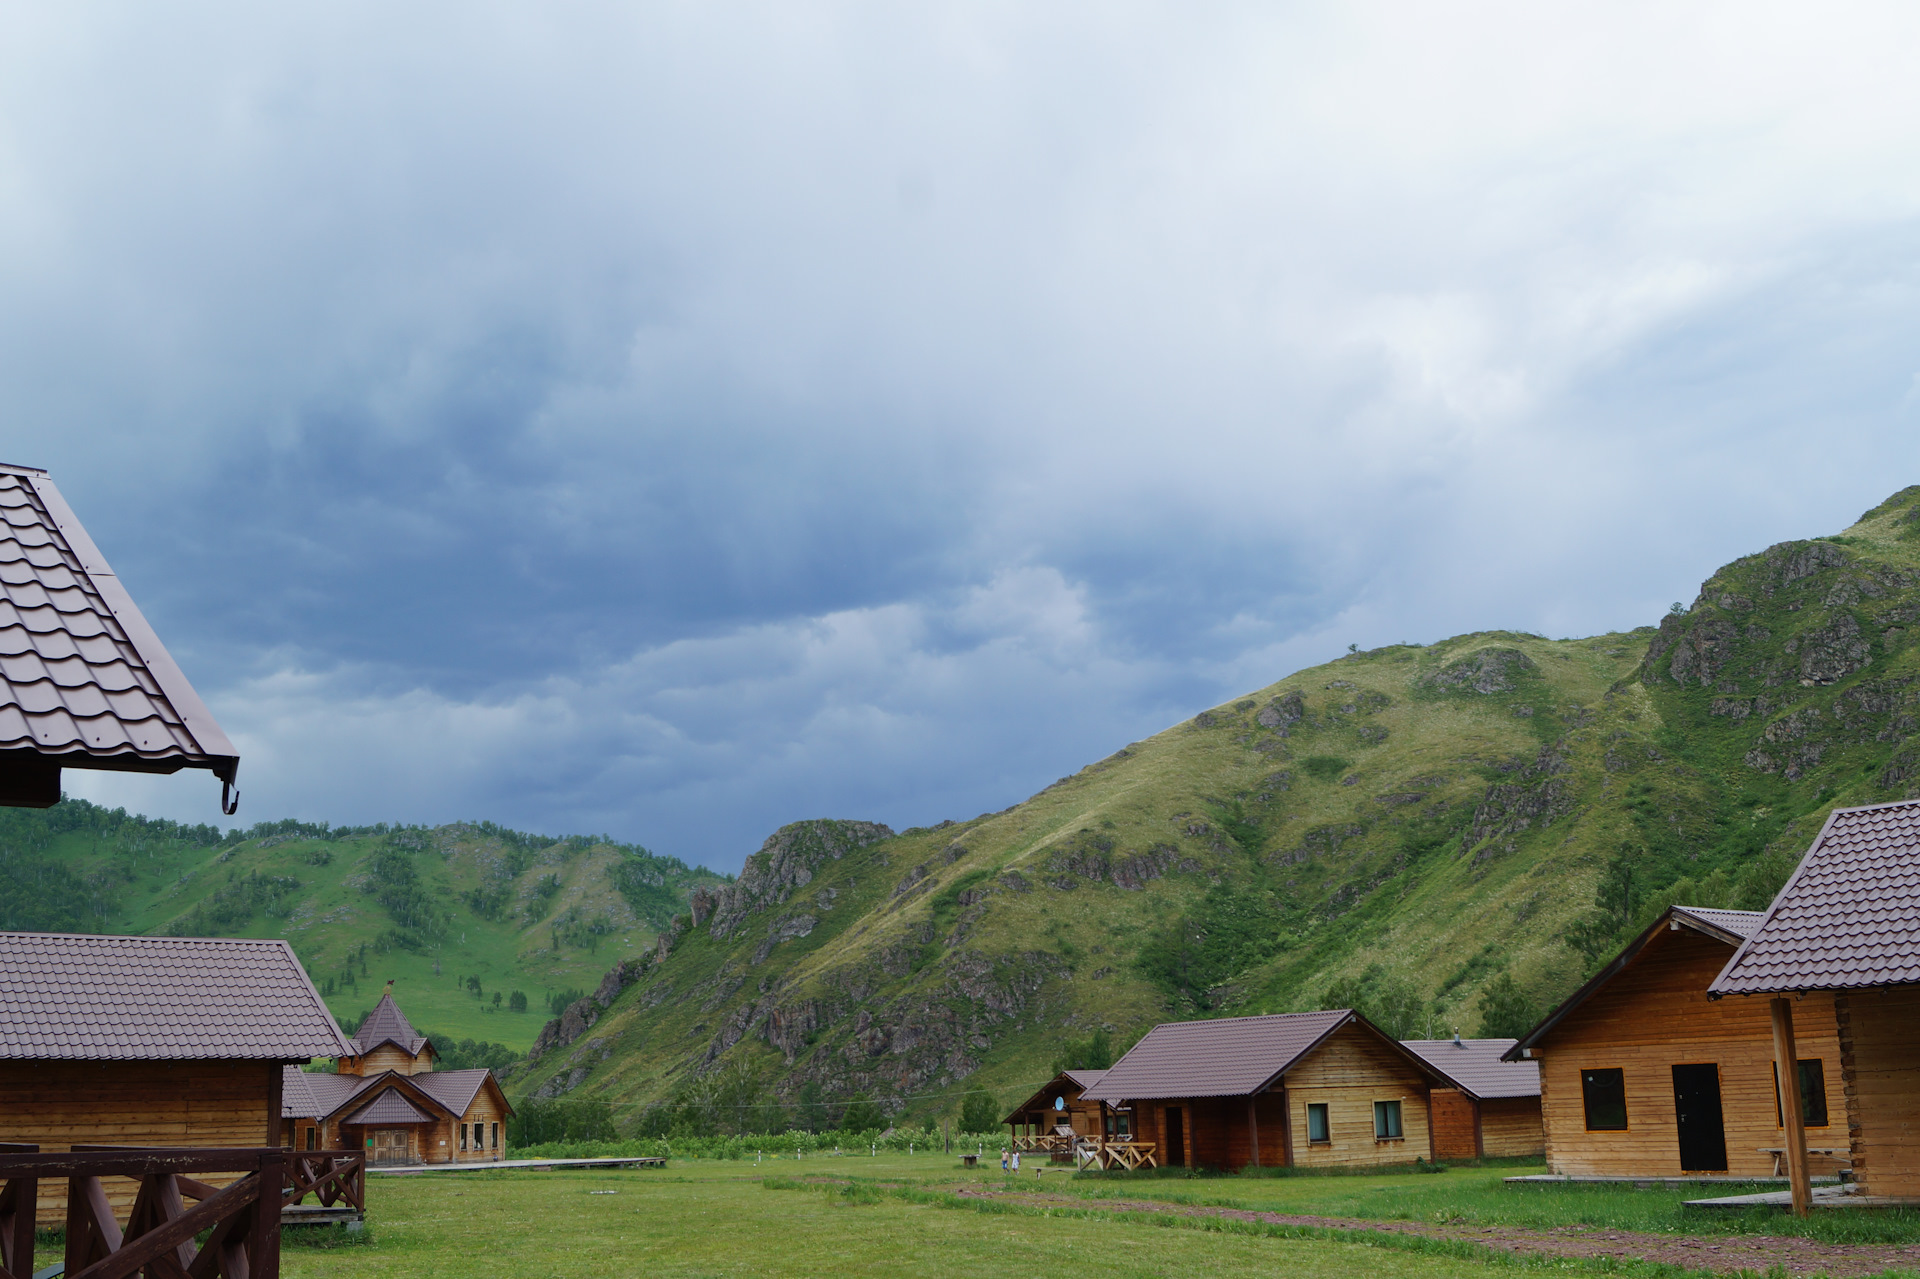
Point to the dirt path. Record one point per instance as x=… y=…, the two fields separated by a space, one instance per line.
x=1720 y=1253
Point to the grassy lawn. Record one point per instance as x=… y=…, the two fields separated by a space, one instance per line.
x=717 y=1218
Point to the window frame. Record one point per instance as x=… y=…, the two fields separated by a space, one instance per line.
x=1586 y=1099
x=1382 y=1110
x=1806 y=1094
x=496 y=1134
x=1326 y=1124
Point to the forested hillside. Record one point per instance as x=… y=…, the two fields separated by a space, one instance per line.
x=1450 y=836
x=485 y=930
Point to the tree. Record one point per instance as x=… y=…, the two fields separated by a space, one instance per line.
x=1386 y=999
x=1095 y=1052
x=517 y=1001
x=1506 y=1011
x=978 y=1113
x=496 y=999
x=813 y=1108
x=862 y=1115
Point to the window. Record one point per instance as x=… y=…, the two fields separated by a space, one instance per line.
x=1605 y=1094
x=1386 y=1121
x=463 y=1136
x=313 y=1139
x=496 y=1136
x=1317 y=1129
x=1813 y=1094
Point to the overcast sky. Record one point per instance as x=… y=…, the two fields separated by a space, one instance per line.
x=674 y=420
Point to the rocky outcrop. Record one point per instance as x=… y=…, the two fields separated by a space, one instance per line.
x=1488 y=670
x=785 y=863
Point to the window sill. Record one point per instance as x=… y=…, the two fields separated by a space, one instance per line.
x=1387 y=1141
x=1320 y=1145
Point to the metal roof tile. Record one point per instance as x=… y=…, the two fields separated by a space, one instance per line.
x=1226 y=1057
x=1850 y=915
x=64 y=996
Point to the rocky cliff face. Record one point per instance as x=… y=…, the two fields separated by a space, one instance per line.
x=1430 y=818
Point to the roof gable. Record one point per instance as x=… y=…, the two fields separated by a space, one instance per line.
x=1729 y=927
x=1848 y=918
x=386 y=1024
x=1067 y=1081
x=66 y=996
x=1228 y=1056
x=83 y=678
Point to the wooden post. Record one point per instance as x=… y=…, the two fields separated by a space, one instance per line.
x=1786 y=1064
x=274 y=1084
x=1253 y=1127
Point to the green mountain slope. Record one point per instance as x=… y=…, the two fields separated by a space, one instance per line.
x=1435 y=833
x=429 y=909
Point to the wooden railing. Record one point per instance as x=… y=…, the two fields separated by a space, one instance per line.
x=1102 y=1152
x=243 y=1224
x=332 y=1176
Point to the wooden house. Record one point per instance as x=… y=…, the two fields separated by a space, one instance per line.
x=1833 y=971
x=1643 y=1075
x=150 y=1041
x=1059 y=1110
x=386 y=1098
x=1494 y=1110
x=1290 y=1089
x=84 y=681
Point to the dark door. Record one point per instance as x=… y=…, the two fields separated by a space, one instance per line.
x=1176 y=1138
x=1696 y=1112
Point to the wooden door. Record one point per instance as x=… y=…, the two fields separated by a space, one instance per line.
x=1176 y=1137
x=390 y=1145
x=1697 y=1116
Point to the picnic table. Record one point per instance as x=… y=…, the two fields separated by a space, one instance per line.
x=1779 y=1153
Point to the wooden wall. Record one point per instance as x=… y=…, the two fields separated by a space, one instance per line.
x=385 y=1057
x=1511 y=1127
x=61 y=1104
x=1652 y=1016
x=1350 y=1072
x=1880 y=1036
x=1456 y=1124
x=486 y=1109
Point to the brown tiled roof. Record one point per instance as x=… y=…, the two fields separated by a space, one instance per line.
x=390 y=1107
x=1849 y=917
x=386 y=1024
x=1475 y=1065
x=67 y=996
x=1730 y=927
x=1085 y=1078
x=1227 y=1057
x=82 y=675
x=454 y=1089
x=305 y=1095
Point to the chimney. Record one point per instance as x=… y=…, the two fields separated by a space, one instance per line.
x=1456 y=1034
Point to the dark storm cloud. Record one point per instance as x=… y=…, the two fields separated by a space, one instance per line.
x=674 y=421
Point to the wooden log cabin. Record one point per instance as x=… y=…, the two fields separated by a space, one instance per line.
x=150 y=1041
x=1316 y=1089
x=1643 y=1075
x=1495 y=1110
x=1833 y=969
x=1058 y=1113
x=386 y=1098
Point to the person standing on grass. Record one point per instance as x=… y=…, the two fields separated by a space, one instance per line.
x=1016 y=1160
x=1003 y=1159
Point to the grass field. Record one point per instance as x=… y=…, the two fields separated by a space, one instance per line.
x=900 y=1215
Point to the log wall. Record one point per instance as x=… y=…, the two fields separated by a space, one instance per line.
x=1456 y=1124
x=1653 y=1016
x=1881 y=1082
x=61 y=1104
x=1510 y=1127
x=1348 y=1073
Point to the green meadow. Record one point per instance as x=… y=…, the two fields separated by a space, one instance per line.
x=923 y=1215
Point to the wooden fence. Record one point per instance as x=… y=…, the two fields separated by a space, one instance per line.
x=158 y=1238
